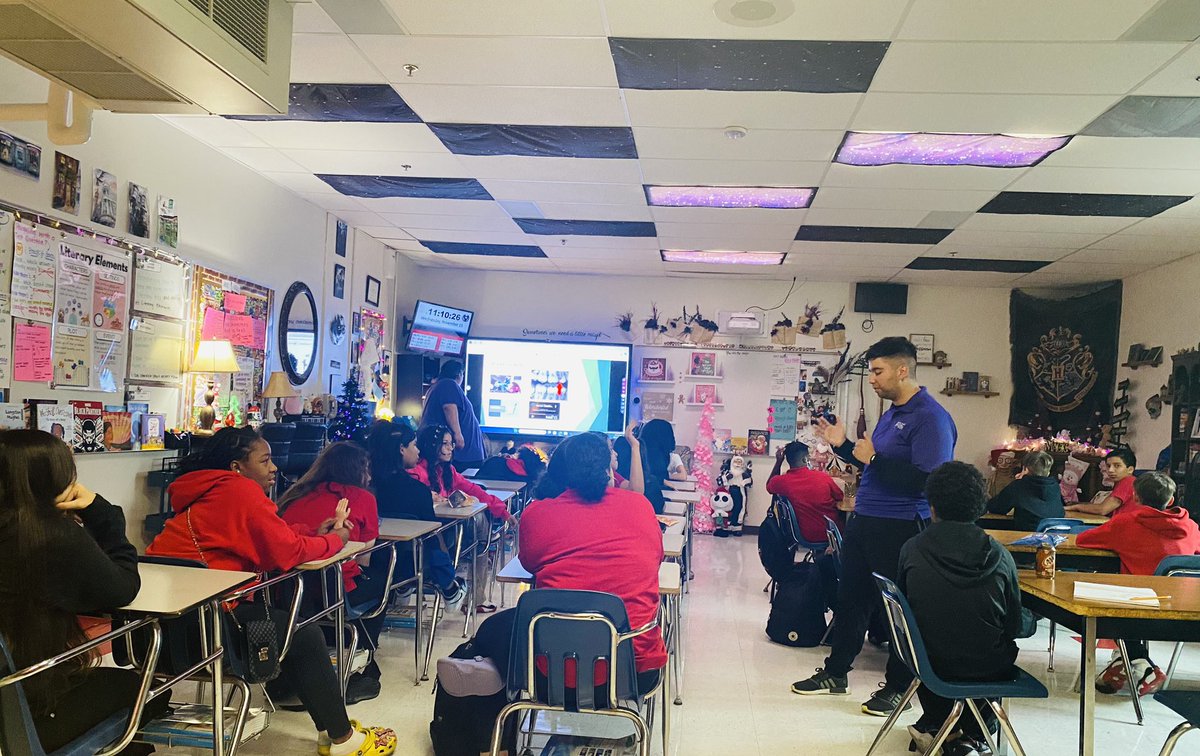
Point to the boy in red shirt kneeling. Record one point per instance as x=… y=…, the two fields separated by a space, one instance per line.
x=814 y=494
x=1142 y=535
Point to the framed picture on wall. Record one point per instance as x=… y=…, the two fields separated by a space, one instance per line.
x=339 y=239
x=372 y=291
x=924 y=344
x=339 y=281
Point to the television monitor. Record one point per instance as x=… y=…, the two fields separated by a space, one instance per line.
x=881 y=298
x=551 y=389
x=439 y=329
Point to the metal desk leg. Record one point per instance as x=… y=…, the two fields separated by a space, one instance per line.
x=214 y=611
x=437 y=600
x=1087 y=688
x=677 y=645
x=339 y=624
x=419 y=570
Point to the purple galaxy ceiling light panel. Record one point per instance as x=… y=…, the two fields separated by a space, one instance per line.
x=984 y=150
x=772 y=197
x=721 y=257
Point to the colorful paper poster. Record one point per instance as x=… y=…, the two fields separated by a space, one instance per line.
x=160 y=287
x=6 y=332
x=108 y=361
x=757 y=441
x=168 y=222
x=785 y=374
x=239 y=329
x=12 y=416
x=34 y=264
x=213 y=326
x=109 y=300
x=139 y=211
x=104 y=198
x=31 y=353
x=704 y=363
x=658 y=405
x=235 y=302
x=66 y=184
x=783 y=414
x=73 y=293
x=7 y=222
x=72 y=356
x=156 y=350
x=260 y=334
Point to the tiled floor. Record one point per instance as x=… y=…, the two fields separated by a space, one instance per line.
x=736 y=692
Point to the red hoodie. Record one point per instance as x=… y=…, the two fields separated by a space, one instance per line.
x=308 y=512
x=459 y=483
x=235 y=525
x=1142 y=536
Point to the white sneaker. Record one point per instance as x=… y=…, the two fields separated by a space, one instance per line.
x=456 y=595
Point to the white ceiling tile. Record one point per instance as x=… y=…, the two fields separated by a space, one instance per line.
x=729 y=242
x=493 y=61
x=836 y=216
x=1019 y=67
x=583 y=211
x=263 y=159
x=215 y=131
x=543 y=106
x=418 y=222
x=323 y=135
x=747 y=231
x=1021 y=239
x=920 y=176
x=480 y=237
x=379 y=163
x=310 y=18
x=712 y=144
x=1149 y=244
x=332 y=202
x=733 y=172
x=1167 y=153
x=551 y=18
x=631 y=243
x=748 y=215
x=982 y=252
x=389 y=234
x=1054 y=224
x=1076 y=20
x=560 y=191
x=1145 y=255
x=1033 y=114
x=422 y=206
x=1165 y=225
x=956 y=278
x=1045 y=178
x=900 y=199
x=570 y=253
x=1094 y=271
x=858 y=251
x=301 y=183
x=812 y=19
x=362 y=218
x=1177 y=78
x=1189 y=209
x=330 y=59
x=521 y=168
x=707 y=109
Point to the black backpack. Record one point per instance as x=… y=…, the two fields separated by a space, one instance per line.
x=462 y=725
x=798 y=607
x=779 y=539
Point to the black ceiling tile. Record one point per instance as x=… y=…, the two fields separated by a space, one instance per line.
x=553 y=227
x=977 y=266
x=1071 y=203
x=872 y=234
x=489 y=250
x=611 y=142
x=364 y=103
x=378 y=187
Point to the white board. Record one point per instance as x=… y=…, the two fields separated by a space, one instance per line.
x=156 y=352
x=160 y=287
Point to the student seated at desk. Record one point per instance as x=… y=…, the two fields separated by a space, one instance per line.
x=1032 y=496
x=63 y=553
x=658 y=443
x=401 y=496
x=1142 y=534
x=627 y=471
x=1118 y=467
x=434 y=469
x=336 y=487
x=962 y=586
x=814 y=494
x=224 y=519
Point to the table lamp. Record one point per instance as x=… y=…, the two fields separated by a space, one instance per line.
x=279 y=388
x=214 y=356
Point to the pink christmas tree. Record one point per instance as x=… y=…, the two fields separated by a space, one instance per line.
x=702 y=461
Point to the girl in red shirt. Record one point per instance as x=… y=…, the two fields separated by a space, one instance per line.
x=436 y=444
x=336 y=486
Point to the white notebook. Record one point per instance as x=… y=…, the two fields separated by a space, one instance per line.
x=1115 y=594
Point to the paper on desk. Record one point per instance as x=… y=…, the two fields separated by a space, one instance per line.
x=1115 y=594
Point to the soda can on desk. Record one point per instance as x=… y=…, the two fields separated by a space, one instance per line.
x=1043 y=560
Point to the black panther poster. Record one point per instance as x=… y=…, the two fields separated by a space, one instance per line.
x=1064 y=360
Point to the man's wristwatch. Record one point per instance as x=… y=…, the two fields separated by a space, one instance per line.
x=872 y=459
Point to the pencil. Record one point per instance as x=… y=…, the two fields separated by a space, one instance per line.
x=1149 y=598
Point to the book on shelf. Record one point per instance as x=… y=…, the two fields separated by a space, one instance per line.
x=154 y=431
x=12 y=416
x=89 y=427
x=56 y=419
x=117 y=431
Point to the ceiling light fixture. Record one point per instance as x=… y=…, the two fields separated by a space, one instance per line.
x=753 y=12
x=770 y=197
x=721 y=257
x=736 y=132
x=983 y=150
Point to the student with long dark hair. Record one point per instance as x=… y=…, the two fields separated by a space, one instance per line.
x=336 y=487
x=436 y=447
x=658 y=444
x=224 y=519
x=63 y=552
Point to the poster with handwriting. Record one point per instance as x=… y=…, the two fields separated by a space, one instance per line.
x=108 y=361
x=159 y=287
x=785 y=374
x=31 y=353
x=5 y=350
x=72 y=356
x=7 y=222
x=155 y=352
x=658 y=405
x=109 y=299
x=783 y=413
x=73 y=290
x=34 y=264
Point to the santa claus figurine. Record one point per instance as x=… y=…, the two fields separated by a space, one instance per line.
x=736 y=477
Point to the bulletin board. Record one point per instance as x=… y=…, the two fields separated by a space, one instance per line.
x=159 y=303
x=225 y=307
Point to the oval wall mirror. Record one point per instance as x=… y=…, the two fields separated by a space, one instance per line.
x=298 y=333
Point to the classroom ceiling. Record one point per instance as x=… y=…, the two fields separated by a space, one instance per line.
x=445 y=157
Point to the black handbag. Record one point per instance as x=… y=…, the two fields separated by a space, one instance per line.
x=252 y=646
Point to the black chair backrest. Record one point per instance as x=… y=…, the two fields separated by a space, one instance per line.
x=17 y=733
x=307 y=443
x=279 y=436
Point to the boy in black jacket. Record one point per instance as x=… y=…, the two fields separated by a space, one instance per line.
x=962 y=586
x=1033 y=496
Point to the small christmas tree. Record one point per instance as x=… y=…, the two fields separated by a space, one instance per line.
x=702 y=460
x=353 y=413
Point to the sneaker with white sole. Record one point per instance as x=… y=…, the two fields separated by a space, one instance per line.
x=884 y=701
x=455 y=595
x=1150 y=678
x=921 y=740
x=1112 y=679
x=821 y=684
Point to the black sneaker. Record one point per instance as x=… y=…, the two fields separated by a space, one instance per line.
x=883 y=702
x=361 y=688
x=821 y=684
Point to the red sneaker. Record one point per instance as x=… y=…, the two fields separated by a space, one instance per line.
x=1112 y=679
x=1150 y=678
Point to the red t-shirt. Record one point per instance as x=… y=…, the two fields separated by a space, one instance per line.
x=1123 y=490
x=614 y=545
x=314 y=508
x=814 y=495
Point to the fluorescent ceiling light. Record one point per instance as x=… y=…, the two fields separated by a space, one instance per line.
x=721 y=257
x=985 y=150
x=773 y=197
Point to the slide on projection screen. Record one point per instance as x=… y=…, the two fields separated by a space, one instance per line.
x=538 y=388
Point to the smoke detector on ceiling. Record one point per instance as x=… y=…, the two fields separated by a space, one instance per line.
x=736 y=132
x=753 y=12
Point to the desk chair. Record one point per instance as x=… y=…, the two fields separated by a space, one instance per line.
x=586 y=626
x=1061 y=525
x=1177 y=566
x=1187 y=705
x=907 y=642
x=18 y=734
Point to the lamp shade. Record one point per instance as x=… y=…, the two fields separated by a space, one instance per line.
x=215 y=357
x=279 y=387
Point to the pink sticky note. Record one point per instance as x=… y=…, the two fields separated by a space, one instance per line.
x=239 y=329
x=31 y=353
x=235 y=302
x=260 y=334
x=213 y=326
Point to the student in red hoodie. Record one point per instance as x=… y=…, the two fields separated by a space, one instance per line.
x=814 y=494
x=436 y=444
x=224 y=519
x=336 y=487
x=1142 y=535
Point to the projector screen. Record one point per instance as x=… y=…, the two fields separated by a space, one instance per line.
x=537 y=388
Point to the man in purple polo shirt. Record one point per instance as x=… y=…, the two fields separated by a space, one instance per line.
x=913 y=437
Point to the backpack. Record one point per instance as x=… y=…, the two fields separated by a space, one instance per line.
x=779 y=539
x=797 y=615
x=468 y=695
